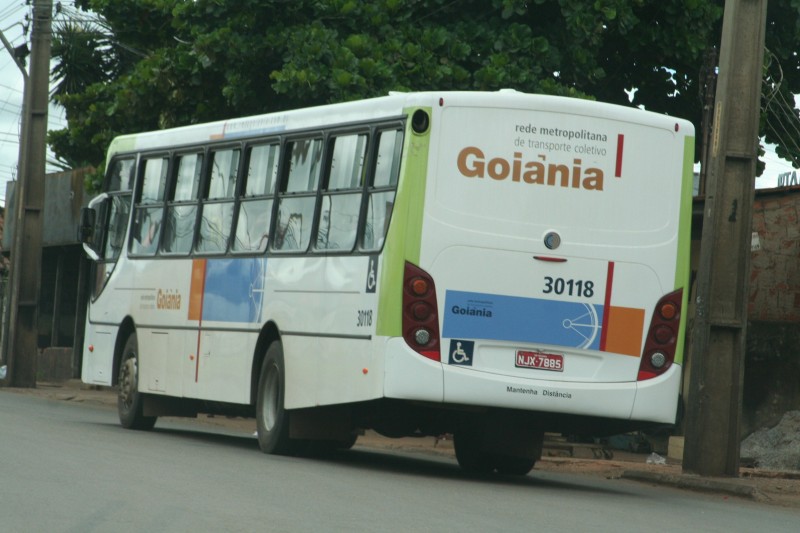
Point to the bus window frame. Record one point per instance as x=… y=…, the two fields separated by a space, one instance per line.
x=210 y=150
x=137 y=196
x=373 y=130
x=398 y=126
x=323 y=191
x=283 y=182
x=170 y=202
x=242 y=198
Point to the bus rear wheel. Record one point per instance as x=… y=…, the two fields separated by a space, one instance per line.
x=469 y=454
x=129 y=399
x=272 y=420
x=473 y=455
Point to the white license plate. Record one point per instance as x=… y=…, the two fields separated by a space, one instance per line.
x=539 y=360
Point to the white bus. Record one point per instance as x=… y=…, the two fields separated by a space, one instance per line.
x=491 y=265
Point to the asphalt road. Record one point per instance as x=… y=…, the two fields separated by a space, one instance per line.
x=68 y=467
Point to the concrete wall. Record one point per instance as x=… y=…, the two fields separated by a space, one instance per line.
x=64 y=196
x=61 y=313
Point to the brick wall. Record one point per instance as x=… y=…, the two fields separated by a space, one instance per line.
x=775 y=267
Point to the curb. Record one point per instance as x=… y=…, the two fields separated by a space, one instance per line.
x=696 y=483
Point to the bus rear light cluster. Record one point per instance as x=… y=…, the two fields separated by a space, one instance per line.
x=420 y=316
x=661 y=342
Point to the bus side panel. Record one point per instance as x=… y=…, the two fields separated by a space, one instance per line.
x=98 y=361
x=224 y=312
x=104 y=316
x=410 y=376
x=294 y=289
x=657 y=398
x=350 y=366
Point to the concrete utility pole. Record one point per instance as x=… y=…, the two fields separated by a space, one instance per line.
x=26 y=251
x=717 y=358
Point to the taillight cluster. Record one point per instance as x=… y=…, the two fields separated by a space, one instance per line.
x=662 y=337
x=420 y=313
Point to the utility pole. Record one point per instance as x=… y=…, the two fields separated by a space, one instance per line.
x=709 y=80
x=717 y=358
x=26 y=250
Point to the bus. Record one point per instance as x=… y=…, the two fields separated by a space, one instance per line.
x=491 y=265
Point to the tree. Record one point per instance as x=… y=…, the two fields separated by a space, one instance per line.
x=179 y=62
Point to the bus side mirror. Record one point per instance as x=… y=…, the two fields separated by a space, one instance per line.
x=88 y=233
x=86 y=228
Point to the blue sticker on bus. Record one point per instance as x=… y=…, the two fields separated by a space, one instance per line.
x=513 y=318
x=234 y=289
x=461 y=352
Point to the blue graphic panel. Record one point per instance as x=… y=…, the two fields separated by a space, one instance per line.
x=473 y=315
x=234 y=289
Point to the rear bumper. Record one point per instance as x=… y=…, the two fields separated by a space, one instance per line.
x=409 y=376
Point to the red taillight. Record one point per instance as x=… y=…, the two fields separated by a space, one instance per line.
x=420 y=315
x=662 y=337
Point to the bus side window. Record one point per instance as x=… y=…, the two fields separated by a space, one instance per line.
x=298 y=196
x=150 y=207
x=217 y=210
x=182 y=208
x=382 y=189
x=121 y=175
x=117 y=226
x=341 y=201
x=255 y=206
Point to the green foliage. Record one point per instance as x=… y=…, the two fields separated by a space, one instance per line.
x=174 y=62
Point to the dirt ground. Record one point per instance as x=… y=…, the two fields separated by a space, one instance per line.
x=781 y=488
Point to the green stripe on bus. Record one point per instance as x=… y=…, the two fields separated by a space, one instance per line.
x=404 y=239
x=121 y=144
x=682 y=267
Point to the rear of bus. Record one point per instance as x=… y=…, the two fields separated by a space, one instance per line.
x=554 y=237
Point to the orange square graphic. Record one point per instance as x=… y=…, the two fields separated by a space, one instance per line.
x=625 y=327
x=196 y=289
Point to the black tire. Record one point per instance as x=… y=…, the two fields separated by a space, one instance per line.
x=129 y=399
x=469 y=454
x=508 y=465
x=272 y=420
x=473 y=457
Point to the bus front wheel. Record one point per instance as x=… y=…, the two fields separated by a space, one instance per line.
x=129 y=399
x=272 y=420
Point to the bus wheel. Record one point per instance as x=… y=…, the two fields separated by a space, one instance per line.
x=509 y=465
x=272 y=420
x=476 y=456
x=129 y=400
x=470 y=454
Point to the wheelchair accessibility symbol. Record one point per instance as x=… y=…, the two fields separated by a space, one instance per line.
x=461 y=352
x=372 y=273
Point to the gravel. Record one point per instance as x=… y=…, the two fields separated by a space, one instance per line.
x=776 y=448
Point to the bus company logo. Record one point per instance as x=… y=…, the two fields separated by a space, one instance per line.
x=473 y=163
x=461 y=352
x=168 y=299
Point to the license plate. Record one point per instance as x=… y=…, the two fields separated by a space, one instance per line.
x=540 y=360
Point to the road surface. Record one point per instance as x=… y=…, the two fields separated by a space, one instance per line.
x=70 y=467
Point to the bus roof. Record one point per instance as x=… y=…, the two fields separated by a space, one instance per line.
x=392 y=105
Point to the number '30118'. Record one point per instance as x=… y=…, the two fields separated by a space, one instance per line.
x=569 y=287
x=364 y=317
